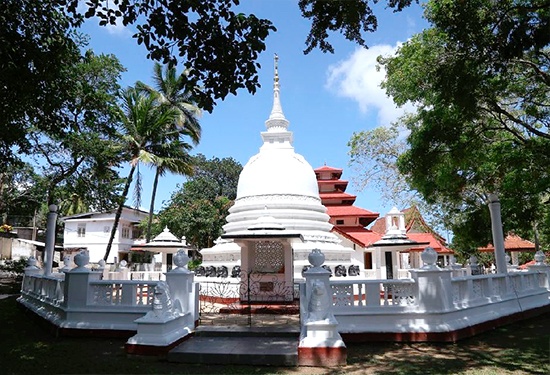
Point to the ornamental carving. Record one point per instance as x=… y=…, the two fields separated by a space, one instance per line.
x=269 y=257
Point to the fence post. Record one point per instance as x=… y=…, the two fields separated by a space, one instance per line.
x=320 y=342
x=180 y=283
x=540 y=266
x=433 y=283
x=77 y=281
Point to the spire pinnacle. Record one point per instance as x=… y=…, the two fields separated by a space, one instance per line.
x=276 y=79
x=277 y=120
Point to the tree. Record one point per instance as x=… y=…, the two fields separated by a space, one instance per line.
x=198 y=210
x=479 y=78
x=216 y=43
x=38 y=51
x=20 y=194
x=169 y=93
x=145 y=129
x=373 y=157
x=80 y=154
x=223 y=174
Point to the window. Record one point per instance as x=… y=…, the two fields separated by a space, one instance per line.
x=368 y=261
x=340 y=222
x=81 y=230
x=125 y=231
x=136 y=232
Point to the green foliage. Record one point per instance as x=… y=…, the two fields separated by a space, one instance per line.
x=198 y=210
x=218 y=45
x=78 y=159
x=223 y=173
x=37 y=45
x=170 y=94
x=194 y=263
x=145 y=129
x=14 y=266
x=140 y=257
x=479 y=78
x=351 y=18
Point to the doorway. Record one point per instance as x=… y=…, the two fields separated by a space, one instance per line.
x=389 y=265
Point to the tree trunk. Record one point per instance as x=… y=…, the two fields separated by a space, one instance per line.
x=152 y=206
x=119 y=212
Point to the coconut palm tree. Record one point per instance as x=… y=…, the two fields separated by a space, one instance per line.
x=146 y=127
x=170 y=93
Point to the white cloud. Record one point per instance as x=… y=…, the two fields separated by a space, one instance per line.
x=358 y=78
x=119 y=29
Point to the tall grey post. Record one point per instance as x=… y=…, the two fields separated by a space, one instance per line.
x=498 y=236
x=50 y=239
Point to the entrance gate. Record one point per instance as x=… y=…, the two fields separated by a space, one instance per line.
x=254 y=299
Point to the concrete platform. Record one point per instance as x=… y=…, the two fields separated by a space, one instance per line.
x=269 y=342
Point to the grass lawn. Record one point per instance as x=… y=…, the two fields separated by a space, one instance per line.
x=26 y=348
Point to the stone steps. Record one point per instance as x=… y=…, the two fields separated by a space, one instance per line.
x=274 y=346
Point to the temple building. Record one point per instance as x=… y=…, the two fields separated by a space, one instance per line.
x=392 y=244
x=276 y=222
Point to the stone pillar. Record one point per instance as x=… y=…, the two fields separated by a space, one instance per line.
x=498 y=236
x=32 y=268
x=50 y=240
x=173 y=314
x=320 y=342
x=180 y=281
x=540 y=266
x=66 y=264
x=76 y=282
x=473 y=268
x=433 y=283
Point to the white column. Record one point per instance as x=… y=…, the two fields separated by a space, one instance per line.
x=50 y=239
x=498 y=236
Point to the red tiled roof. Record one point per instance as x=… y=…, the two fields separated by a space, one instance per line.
x=512 y=242
x=365 y=238
x=333 y=182
x=339 y=211
x=379 y=226
x=359 y=235
x=326 y=168
x=432 y=242
x=339 y=195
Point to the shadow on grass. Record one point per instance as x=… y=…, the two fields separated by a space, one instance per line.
x=519 y=348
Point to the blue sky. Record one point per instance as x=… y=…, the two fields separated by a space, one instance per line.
x=326 y=97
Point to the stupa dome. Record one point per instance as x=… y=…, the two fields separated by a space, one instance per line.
x=278 y=182
x=277 y=172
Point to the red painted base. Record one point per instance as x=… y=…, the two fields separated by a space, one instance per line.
x=322 y=357
x=451 y=336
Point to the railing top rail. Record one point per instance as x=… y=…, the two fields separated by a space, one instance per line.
x=370 y=281
x=131 y=282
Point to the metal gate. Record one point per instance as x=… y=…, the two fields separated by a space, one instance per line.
x=250 y=300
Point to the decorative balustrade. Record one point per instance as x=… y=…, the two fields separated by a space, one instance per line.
x=121 y=293
x=370 y=293
x=45 y=288
x=478 y=289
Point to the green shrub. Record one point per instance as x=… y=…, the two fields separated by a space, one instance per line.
x=14 y=266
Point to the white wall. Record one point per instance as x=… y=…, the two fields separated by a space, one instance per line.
x=98 y=231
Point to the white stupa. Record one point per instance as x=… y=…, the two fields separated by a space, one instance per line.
x=278 y=217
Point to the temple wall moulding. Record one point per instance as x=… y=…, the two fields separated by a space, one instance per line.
x=262 y=199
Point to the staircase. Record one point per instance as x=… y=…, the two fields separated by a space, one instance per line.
x=242 y=345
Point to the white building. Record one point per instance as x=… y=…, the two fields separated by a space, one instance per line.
x=91 y=231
